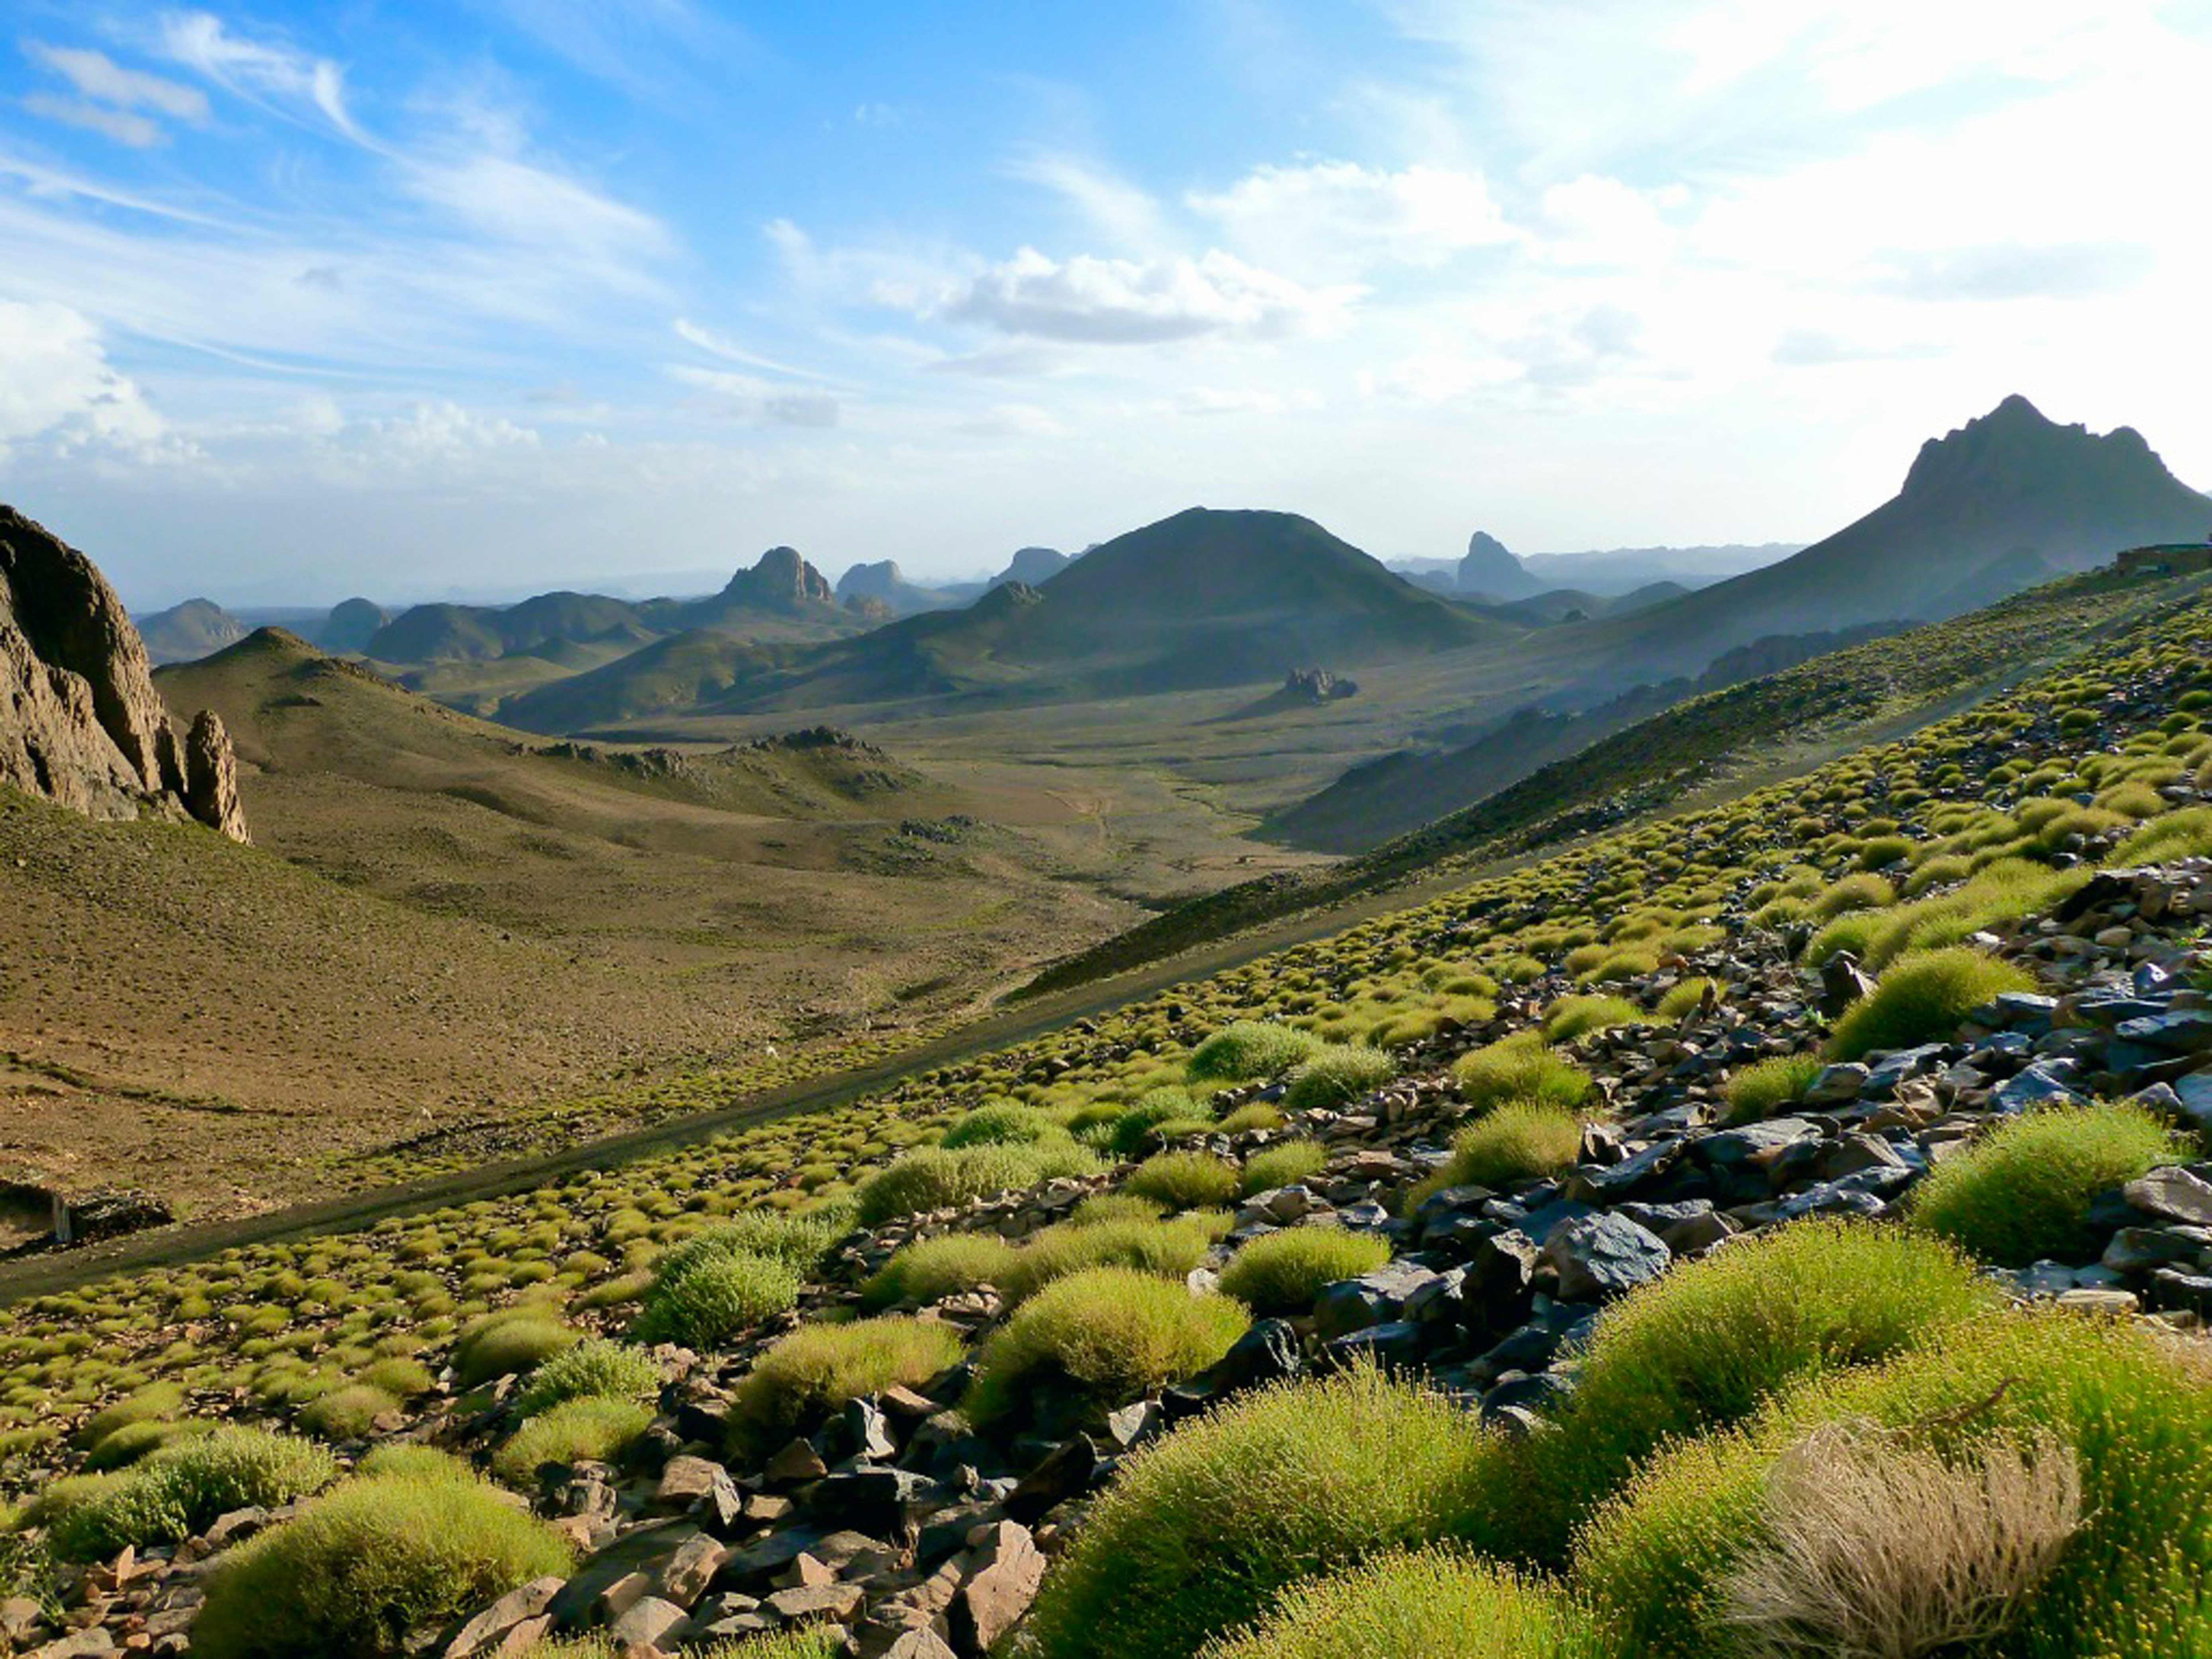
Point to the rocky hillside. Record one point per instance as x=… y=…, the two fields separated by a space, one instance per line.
x=1618 y=1255
x=80 y=721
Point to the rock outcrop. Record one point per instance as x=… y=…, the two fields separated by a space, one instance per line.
x=80 y=723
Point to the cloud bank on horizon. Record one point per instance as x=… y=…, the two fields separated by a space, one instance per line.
x=304 y=300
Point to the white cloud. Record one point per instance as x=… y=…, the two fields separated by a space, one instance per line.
x=272 y=77
x=1125 y=217
x=511 y=201
x=758 y=402
x=139 y=131
x=1341 y=218
x=100 y=78
x=57 y=384
x=1139 y=302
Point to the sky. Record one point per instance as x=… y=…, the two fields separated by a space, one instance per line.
x=485 y=296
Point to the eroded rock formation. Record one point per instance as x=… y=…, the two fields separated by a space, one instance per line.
x=80 y=723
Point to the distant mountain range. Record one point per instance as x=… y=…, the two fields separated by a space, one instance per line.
x=1491 y=573
x=1206 y=598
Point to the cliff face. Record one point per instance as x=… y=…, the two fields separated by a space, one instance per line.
x=80 y=723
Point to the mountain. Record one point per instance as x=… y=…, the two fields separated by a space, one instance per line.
x=1202 y=599
x=1490 y=572
x=1032 y=566
x=885 y=584
x=80 y=723
x=780 y=580
x=1622 y=569
x=1572 y=605
x=351 y=626
x=1985 y=510
x=197 y=628
x=472 y=633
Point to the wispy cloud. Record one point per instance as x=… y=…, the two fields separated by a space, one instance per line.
x=1139 y=302
x=274 y=77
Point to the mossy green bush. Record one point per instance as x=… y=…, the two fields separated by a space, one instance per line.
x=1184 y=1180
x=127 y=1444
x=933 y=1178
x=2021 y=1193
x=817 y=1368
x=1922 y=997
x=407 y=1461
x=180 y=1490
x=512 y=1340
x=1687 y=996
x=1579 y=1016
x=1282 y=1272
x=1710 y=1342
x=1285 y=1164
x=714 y=1299
x=589 y=1428
x=347 y=1413
x=2134 y=1408
x=1337 y=1073
x=146 y=1405
x=1206 y=1527
x=359 y=1571
x=1100 y=1208
x=612 y=1370
x=1159 y=1114
x=1767 y=1087
x=1113 y=1334
x=1249 y=1049
x=930 y=1269
x=1520 y=1067
x=1864 y=891
x=1519 y=1140
x=797 y=1238
x=1001 y=1123
x=1166 y=1249
x=400 y=1375
x=1436 y=1603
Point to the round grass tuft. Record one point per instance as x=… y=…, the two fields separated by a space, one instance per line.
x=1520 y=1067
x=514 y=1339
x=714 y=1299
x=1184 y=1180
x=1113 y=1334
x=1436 y=1603
x=1204 y=1527
x=1764 y=1087
x=587 y=1430
x=1282 y=1272
x=1249 y=1049
x=1922 y=997
x=174 y=1492
x=1518 y=1141
x=611 y=1371
x=2021 y=1193
x=930 y=1269
x=932 y=1178
x=817 y=1368
x=1336 y=1074
x=359 y=1571
x=1285 y=1164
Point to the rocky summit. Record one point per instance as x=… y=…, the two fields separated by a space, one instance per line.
x=80 y=723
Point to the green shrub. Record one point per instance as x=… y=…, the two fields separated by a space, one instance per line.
x=1579 y=1016
x=714 y=1300
x=1336 y=1073
x=2179 y=834
x=347 y=1413
x=1426 y=1604
x=146 y=1405
x=1252 y=1115
x=1521 y=1067
x=1166 y=1249
x=1205 y=1527
x=178 y=1489
x=1518 y=1141
x=1709 y=1342
x=1880 y=852
x=589 y=1429
x=1286 y=1163
x=1001 y=1123
x=2021 y=1193
x=1114 y=1332
x=1249 y=1049
x=1282 y=1272
x=1163 y=1112
x=611 y=1371
x=1687 y=997
x=798 y=1239
x=817 y=1368
x=1655 y=1561
x=932 y=1178
x=359 y=1571
x=400 y=1375
x=1865 y=891
x=1100 y=1208
x=1922 y=997
x=509 y=1341
x=400 y=1460
x=133 y=1441
x=1184 y=1180
x=1764 y=1087
x=930 y=1269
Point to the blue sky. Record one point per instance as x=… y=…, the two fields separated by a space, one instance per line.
x=489 y=294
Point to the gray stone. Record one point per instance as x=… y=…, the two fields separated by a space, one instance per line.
x=1601 y=1257
x=2173 y=1194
